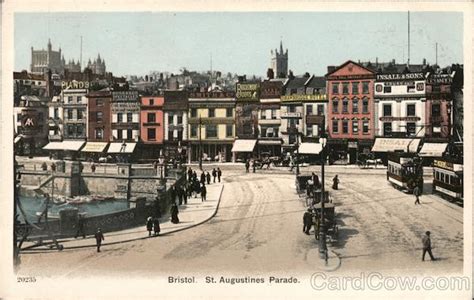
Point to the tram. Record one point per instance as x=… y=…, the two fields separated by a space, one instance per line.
x=405 y=171
x=448 y=179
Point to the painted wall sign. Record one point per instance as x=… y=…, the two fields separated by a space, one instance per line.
x=126 y=107
x=125 y=96
x=440 y=79
x=74 y=84
x=302 y=98
x=407 y=119
x=443 y=164
x=247 y=91
x=399 y=76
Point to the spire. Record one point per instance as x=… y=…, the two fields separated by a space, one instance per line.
x=281 y=47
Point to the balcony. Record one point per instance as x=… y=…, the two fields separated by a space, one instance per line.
x=291 y=115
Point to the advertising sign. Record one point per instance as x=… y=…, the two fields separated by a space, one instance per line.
x=247 y=92
x=74 y=84
x=125 y=96
x=400 y=77
x=303 y=98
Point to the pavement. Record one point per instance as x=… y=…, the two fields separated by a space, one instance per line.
x=192 y=214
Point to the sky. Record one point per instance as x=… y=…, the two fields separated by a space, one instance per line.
x=139 y=42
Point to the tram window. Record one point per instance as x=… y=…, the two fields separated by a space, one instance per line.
x=442 y=177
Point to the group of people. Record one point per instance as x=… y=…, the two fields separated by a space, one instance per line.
x=249 y=163
x=153 y=224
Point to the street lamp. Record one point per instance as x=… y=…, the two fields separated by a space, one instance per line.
x=200 y=143
x=448 y=110
x=297 y=152
x=323 y=250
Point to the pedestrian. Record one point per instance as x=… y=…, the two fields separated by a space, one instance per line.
x=316 y=180
x=254 y=165
x=173 y=194
x=93 y=167
x=190 y=174
x=174 y=213
x=203 y=193
x=208 y=177
x=156 y=226
x=335 y=183
x=219 y=174
x=203 y=178
x=307 y=221
x=149 y=225
x=247 y=166
x=417 y=193
x=214 y=174
x=195 y=176
x=185 y=192
x=99 y=237
x=179 y=192
x=80 y=227
x=53 y=167
x=426 y=240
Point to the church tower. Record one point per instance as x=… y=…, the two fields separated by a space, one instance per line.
x=279 y=63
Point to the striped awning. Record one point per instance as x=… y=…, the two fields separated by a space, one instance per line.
x=244 y=145
x=121 y=147
x=65 y=145
x=94 y=147
x=433 y=149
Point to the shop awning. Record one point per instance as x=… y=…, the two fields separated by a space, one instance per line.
x=269 y=142
x=94 y=147
x=310 y=148
x=392 y=145
x=65 y=145
x=433 y=149
x=121 y=147
x=244 y=145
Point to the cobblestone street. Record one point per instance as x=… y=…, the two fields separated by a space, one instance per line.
x=258 y=229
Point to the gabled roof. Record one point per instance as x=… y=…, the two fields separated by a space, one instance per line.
x=345 y=64
x=316 y=82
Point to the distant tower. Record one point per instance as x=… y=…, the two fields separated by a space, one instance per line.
x=279 y=63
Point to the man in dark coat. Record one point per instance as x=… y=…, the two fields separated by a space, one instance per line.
x=214 y=174
x=190 y=174
x=99 y=237
x=254 y=165
x=174 y=213
x=417 y=193
x=219 y=174
x=247 y=166
x=335 y=183
x=203 y=192
x=208 y=177
x=173 y=194
x=307 y=221
x=426 y=241
x=149 y=225
x=179 y=192
x=156 y=226
x=203 y=178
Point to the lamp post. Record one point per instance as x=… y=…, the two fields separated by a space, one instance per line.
x=297 y=152
x=323 y=250
x=200 y=144
x=448 y=110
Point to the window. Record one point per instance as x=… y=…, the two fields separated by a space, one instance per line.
x=309 y=109
x=212 y=112
x=292 y=108
x=309 y=130
x=152 y=102
x=56 y=113
x=193 y=112
x=69 y=99
x=211 y=131
x=365 y=127
x=70 y=130
x=387 y=129
x=119 y=134
x=180 y=119
x=263 y=132
x=274 y=114
x=411 y=110
x=365 y=106
x=355 y=88
x=436 y=110
x=387 y=110
x=335 y=126
x=345 y=106
x=229 y=132
x=119 y=117
x=99 y=116
x=69 y=114
x=335 y=88
x=387 y=89
x=151 y=118
x=129 y=118
x=345 y=126
x=80 y=130
x=129 y=134
x=335 y=108
x=99 y=102
x=80 y=114
x=345 y=88
x=194 y=129
x=79 y=99
x=320 y=108
x=99 y=133
x=355 y=106
x=170 y=120
x=355 y=126
x=228 y=112
x=411 y=129
x=263 y=114
x=365 y=87
x=151 y=134
x=180 y=135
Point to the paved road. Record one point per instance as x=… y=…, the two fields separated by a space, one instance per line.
x=258 y=229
